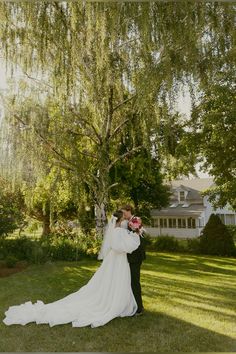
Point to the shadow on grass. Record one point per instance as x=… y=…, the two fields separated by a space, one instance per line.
x=153 y=332
x=186 y=264
x=178 y=282
x=175 y=281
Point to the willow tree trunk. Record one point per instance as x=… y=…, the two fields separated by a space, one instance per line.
x=102 y=187
x=46 y=225
x=101 y=218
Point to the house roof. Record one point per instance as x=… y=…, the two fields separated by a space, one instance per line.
x=192 y=210
x=198 y=184
x=192 y=194
x=195 y=207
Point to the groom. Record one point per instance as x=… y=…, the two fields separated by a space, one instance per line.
x=135 y=260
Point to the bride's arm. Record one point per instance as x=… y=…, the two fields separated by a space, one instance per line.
x=124 y=241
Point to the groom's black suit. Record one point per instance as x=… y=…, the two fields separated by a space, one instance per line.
x=135 y=260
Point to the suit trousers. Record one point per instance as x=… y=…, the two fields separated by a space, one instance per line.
x=135 y=283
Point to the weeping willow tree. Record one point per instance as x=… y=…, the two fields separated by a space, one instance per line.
x=108 y=63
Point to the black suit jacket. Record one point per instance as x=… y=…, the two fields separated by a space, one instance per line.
x=138 y=255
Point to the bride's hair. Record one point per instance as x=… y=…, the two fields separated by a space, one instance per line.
x=118 y=214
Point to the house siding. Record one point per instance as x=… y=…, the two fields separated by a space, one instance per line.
x=199 y=209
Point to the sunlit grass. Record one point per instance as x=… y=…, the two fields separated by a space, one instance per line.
x=190 y=306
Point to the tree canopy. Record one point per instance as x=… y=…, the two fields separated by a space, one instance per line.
x=108 y=67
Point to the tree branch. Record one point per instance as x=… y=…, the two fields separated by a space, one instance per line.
x=123 y=156
x=113 y=185
x=88 y=123
x=37 y=80
x=61 y=156
x=83 y=134
x=123 y=102
x=118 y=128
x=110 y=113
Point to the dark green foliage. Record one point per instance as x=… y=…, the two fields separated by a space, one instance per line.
x=11 y=210
x=211 y=136
x=149 y=242
x=232 y=231
x=139 y=178
x=86 y=218
x=193 y=245
x=19 y=247
x=11 y=261
x=53 y=248
x=167 y=243
x=216 y=239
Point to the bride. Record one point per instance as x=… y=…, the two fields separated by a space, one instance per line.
x=107 y=295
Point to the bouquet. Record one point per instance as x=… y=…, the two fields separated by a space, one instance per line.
x=135 y=224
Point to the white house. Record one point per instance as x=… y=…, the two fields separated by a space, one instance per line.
x=188 y=211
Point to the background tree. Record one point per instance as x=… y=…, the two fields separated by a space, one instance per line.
x=216 y=239
x=211 y=137
x=12 y=209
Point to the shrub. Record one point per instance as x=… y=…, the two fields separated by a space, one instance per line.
x=232 y=230
x=216 y=239
x=38 y=254
x=167 y=243
x=149 y=242
x=62 y=249
x=11 y=209
x=19 y=247
x=11 y=261
x=193 y=245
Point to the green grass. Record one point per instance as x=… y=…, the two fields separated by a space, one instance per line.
x=190 y=306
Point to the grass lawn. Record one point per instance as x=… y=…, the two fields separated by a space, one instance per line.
x=190 y=306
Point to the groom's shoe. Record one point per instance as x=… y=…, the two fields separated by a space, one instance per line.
x=138 y=313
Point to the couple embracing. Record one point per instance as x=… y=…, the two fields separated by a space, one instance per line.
x=113 y=291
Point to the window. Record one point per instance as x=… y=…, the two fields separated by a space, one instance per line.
x=191 y=223
x=229 y=219
x=163 y=223
x=182 y=223
x=155 y=222
x=174 y=223
x=222 y=217
x=182 y=196
x=179 y=223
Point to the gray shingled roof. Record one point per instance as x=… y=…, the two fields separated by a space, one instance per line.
x=198 y=184
x=192 y=210
x=194 y=198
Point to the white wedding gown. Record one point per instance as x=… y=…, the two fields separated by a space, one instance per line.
x=107 y=295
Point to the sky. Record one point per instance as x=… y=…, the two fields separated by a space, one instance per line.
x=183 y=104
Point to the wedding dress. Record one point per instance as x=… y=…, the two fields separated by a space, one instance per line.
x=107 y=295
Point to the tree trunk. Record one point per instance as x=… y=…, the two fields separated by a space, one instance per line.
x=46 y=225
x=100 y=217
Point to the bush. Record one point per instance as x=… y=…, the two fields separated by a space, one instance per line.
x=149 y=242
x=11 y=209
x=62 y=249
x=38 y=254
x=19 y=247
x=193 y=245
x=11 y=261
x=232 y=230
x=216 y=239
x=71 y=249
x=167 y=243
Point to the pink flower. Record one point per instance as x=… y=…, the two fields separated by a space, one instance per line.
x=135 y=223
